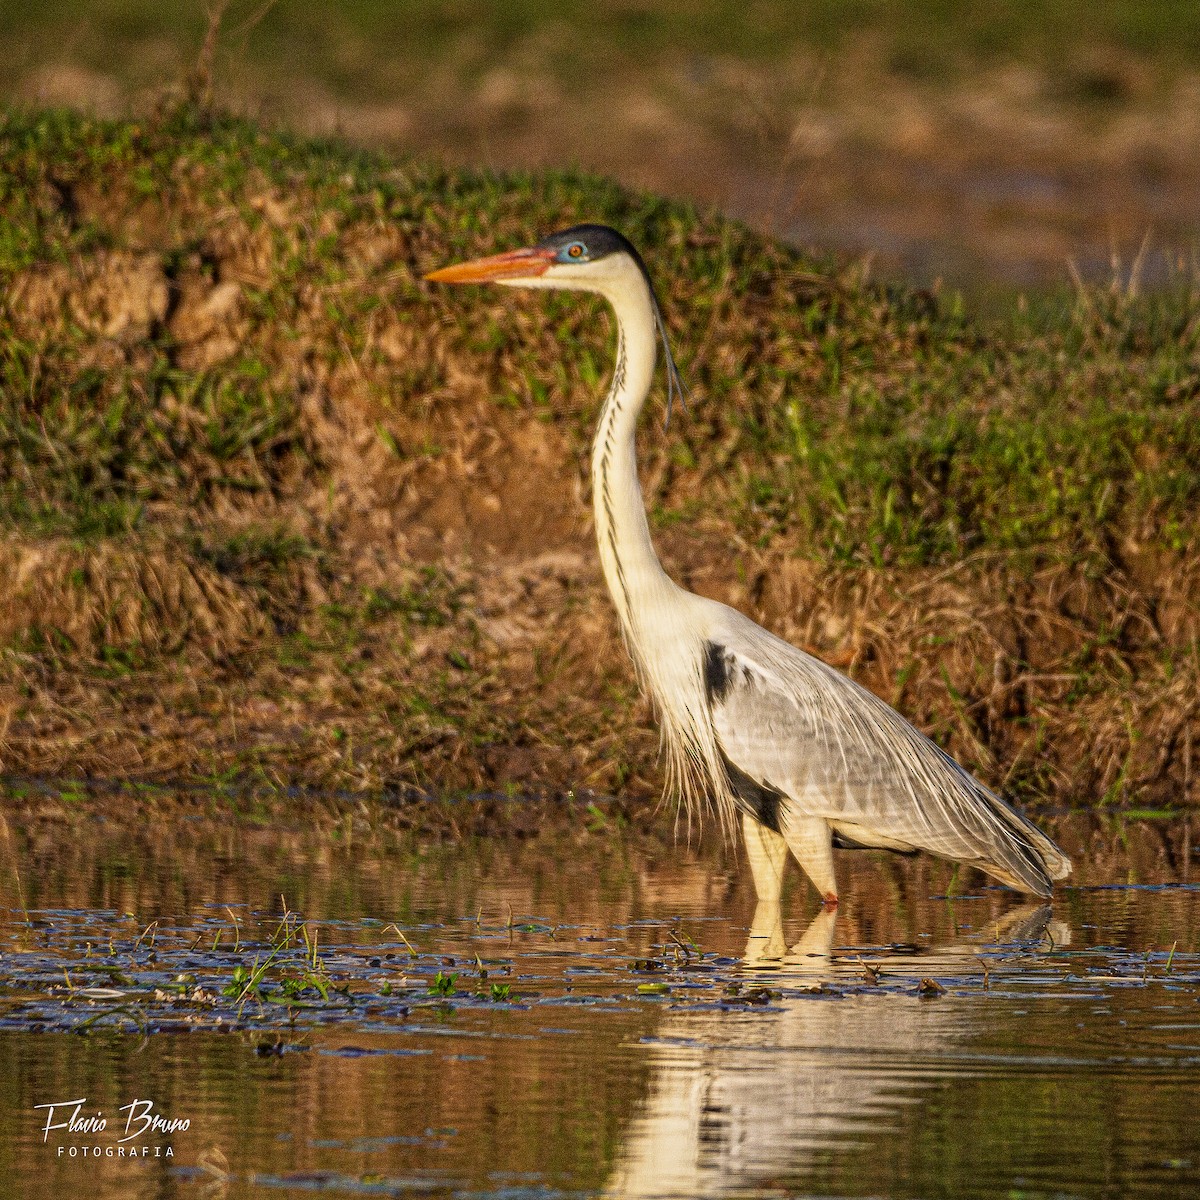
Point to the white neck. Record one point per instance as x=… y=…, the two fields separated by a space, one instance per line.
x=634 y=575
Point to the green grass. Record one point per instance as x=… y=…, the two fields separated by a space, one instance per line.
x=1051 y=443
x=293 y=472
x=865 y=424
x=90 y=445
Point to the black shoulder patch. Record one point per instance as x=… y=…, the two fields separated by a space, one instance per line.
x=717 y=675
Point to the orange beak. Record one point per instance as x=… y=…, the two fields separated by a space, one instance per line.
x=515 y=264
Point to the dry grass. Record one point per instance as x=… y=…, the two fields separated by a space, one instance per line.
x=278 y=513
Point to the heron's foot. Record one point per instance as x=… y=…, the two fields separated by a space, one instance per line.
x=829 y=902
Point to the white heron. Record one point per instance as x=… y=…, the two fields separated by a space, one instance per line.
x=750 y=724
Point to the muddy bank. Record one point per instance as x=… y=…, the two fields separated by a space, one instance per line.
x=276 y=513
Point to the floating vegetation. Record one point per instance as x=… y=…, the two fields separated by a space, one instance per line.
x=85 y=970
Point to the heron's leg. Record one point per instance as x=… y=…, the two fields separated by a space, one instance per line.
x=767 y=852
x=811 y=840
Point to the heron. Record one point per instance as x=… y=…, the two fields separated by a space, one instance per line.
x=752 y=726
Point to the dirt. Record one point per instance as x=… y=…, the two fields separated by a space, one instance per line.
x=393 y=583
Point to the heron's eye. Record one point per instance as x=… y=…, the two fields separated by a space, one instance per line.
x=576 y=250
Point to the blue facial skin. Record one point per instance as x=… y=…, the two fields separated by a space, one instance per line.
x=573 y=252
x=595 y=242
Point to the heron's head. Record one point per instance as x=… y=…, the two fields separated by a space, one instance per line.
x=584 y=258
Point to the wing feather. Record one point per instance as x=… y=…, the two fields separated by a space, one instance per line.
x=797 y=727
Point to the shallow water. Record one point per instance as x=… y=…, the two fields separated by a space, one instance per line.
x=643 y=1028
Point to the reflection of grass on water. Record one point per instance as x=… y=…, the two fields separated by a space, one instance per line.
x=74 y=964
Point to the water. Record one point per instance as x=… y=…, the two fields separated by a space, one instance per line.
x=643 y=1028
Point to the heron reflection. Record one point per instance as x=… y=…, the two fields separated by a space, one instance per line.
x=746 y=1097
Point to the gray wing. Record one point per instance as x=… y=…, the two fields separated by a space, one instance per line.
x=793 y=728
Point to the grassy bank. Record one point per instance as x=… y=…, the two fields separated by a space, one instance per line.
x=275 y=511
